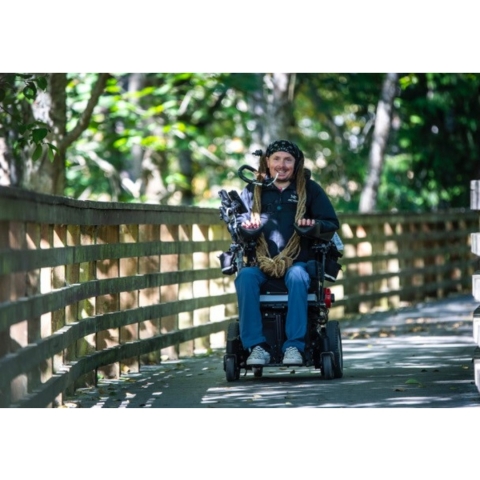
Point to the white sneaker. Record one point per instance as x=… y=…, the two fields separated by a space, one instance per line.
x=259 y=356
x=292 y=356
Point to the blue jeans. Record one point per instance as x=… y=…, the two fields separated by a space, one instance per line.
x=248 y=283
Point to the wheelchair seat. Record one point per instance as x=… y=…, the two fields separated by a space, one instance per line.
x=274 y=291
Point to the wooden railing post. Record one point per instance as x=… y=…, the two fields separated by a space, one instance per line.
x=201 y=288
x=87 y=307
x=128 y=266
x=149 y=296
x=59 y=240
x=5 y=280
x=185 y=291
x=33 y=240
x=19 y=331
x=108 y=268
x=169 y=293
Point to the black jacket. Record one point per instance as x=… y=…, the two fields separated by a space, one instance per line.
x=278 y=215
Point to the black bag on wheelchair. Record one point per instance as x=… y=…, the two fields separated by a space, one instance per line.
x=227 y=262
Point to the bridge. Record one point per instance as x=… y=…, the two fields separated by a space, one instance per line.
x=99 y=291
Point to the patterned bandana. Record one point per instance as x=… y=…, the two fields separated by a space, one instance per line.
x=285 y=146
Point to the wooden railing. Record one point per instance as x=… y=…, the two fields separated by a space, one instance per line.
x=97 y=288
x=475 y=205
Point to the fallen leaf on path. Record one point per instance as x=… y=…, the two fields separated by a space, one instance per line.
x=412 y=381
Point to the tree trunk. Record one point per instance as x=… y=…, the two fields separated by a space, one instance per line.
x=383 y=121
x=49 y=176
x=136 y=82
x=272 y=106
x=186 y=170
x=279 y=118
x=51 y=107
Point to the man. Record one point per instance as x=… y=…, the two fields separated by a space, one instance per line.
x=292 y=198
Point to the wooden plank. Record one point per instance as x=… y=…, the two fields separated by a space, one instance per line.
x=28 y=206
x=25 y=260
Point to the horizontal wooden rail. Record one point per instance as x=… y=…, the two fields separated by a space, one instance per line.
x=98 y=288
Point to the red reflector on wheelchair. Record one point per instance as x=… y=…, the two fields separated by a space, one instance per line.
x=329 y=299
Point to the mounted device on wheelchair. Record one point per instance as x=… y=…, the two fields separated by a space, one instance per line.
x=323 y=343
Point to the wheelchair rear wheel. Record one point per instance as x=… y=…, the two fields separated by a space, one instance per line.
x=327 y=366
x=335 y=343
x=232 y=370
x=233 y=338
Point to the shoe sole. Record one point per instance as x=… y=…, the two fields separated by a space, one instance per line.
x=257 y=363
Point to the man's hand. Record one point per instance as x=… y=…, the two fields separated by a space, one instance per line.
x=249 y=224
x=306 y=222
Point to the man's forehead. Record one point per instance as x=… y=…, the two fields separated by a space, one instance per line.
x=282 y=154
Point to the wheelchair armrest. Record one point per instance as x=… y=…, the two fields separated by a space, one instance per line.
x=250 y=234
x=314 y=232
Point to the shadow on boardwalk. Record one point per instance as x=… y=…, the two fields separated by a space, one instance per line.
x=414 y=357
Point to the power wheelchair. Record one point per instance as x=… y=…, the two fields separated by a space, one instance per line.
x=323 y=342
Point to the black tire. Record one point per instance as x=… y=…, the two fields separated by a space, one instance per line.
x=233 y=338
x=327 y=367
x=335 y=343
x=232 y=372
x=257 y=371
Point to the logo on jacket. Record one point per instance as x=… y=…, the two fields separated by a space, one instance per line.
x=293 y=198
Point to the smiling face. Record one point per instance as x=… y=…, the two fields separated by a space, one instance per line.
x=283 y=164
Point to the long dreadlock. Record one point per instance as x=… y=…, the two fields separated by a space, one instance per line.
x=278 y=265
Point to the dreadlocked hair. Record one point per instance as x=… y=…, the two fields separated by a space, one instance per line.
x=278 y=265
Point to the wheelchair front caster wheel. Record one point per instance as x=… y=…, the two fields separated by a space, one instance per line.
x=257 y=371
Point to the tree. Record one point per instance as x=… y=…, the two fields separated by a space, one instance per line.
x=383 y=121
x=42 y=114
x=434 y=148
x=20 y=135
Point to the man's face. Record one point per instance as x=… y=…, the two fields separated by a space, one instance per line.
x=281 y=163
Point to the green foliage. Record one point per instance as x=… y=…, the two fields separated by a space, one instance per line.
x=335 y=115
x=170 y=114
x=16 y=91
x=194 y=130
x=439 y=131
